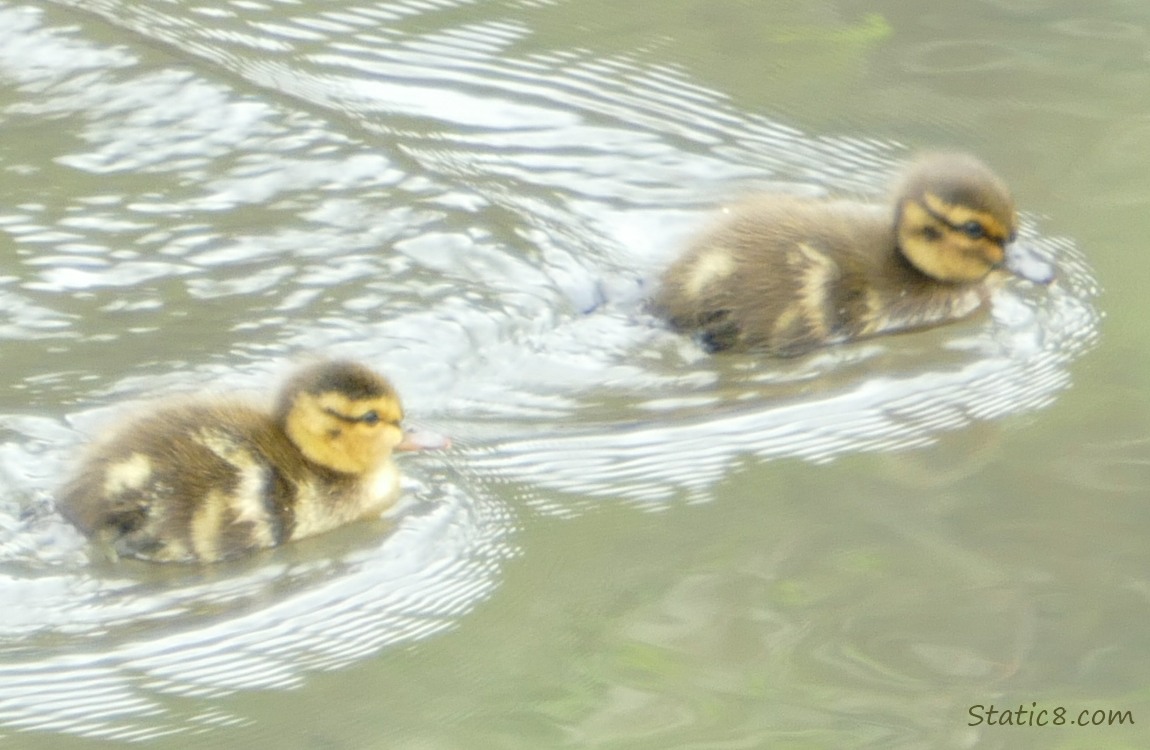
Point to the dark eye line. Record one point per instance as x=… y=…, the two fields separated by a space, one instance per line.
x=369 y=418
x=972 y=228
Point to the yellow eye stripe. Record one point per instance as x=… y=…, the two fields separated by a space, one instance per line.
x=954 y=216
x=337 y=405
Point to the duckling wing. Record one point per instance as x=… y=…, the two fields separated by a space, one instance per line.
x=796 y=310
x=764 y=278
x=181 y=485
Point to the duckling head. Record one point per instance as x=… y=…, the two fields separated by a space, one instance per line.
x=342 y=416
x=954 y=218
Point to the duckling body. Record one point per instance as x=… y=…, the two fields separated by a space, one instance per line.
x=787 y=274
x=203 y=481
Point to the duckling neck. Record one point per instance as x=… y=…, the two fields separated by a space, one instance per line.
x=328 y=474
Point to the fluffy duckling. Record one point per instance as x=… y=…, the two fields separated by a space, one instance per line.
x=203 y=481
x=788 y=274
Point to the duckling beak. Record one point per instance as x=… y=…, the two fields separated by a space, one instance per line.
x=423 y=440
x=1023 y=261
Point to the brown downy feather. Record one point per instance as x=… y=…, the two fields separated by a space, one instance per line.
x=786 y=274
x=202 y=481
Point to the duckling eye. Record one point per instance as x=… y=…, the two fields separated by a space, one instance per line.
x=371 y=417
x=973 y=230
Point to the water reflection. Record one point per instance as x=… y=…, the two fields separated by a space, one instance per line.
x=222 y=189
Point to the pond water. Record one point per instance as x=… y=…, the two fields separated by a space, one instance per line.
x=631 y=543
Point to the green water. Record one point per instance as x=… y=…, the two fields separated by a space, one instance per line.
x=633 y=545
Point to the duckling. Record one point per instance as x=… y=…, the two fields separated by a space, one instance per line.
x=788 y=274
x=203 y=481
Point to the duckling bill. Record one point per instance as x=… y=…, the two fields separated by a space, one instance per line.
x=786 y=274
x=204 y=481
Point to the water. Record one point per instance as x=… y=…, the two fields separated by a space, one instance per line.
x=850 y=549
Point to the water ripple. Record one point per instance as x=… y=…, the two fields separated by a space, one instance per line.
x=472 y=212
x=1014 y=364
x=96 y=655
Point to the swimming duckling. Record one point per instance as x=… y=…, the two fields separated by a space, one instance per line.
x=787 y=274
x=203 y=481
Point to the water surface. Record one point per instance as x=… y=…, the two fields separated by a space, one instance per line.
x=854 y=547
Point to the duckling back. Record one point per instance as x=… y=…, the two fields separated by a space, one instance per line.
x=193 y=482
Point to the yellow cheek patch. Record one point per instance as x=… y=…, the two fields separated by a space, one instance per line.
x=947 y=255
x=957 y=215
x=916 y=215
x=330 y=429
